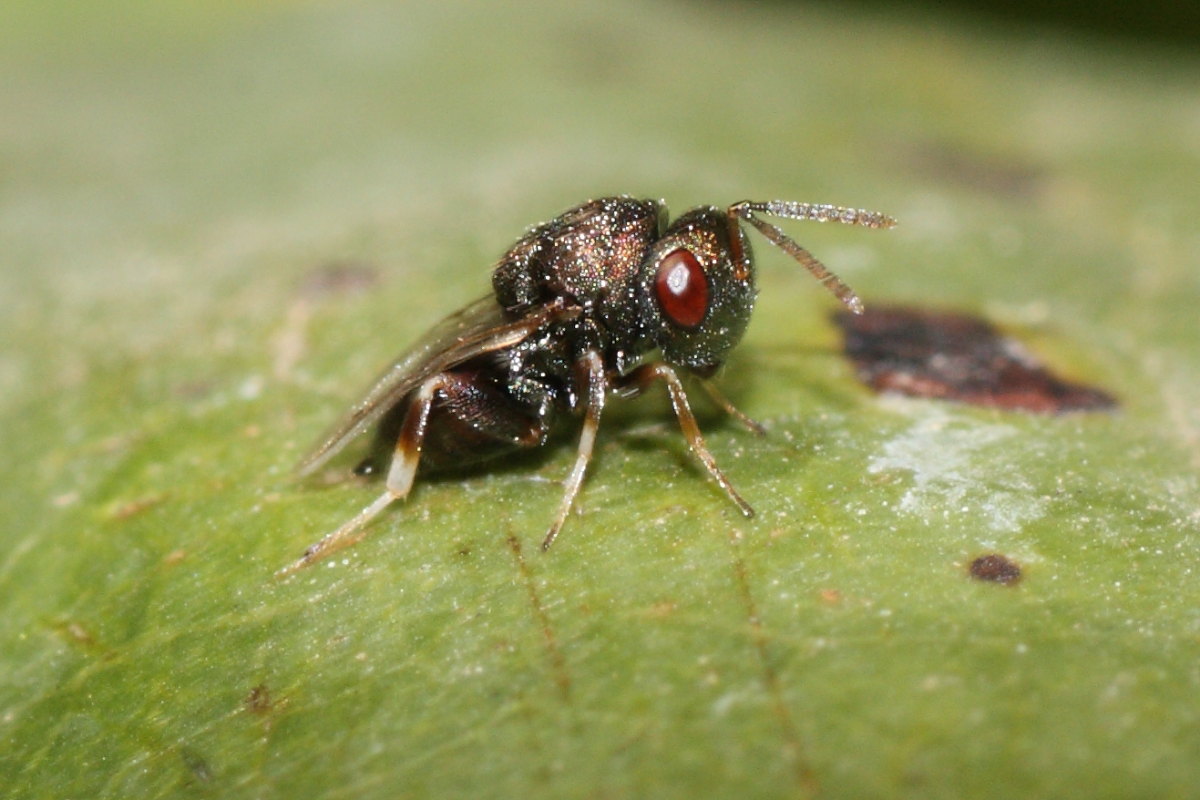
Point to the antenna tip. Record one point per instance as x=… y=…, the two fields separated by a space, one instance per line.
x=871 y=219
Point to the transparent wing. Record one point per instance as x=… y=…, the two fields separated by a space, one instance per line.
x=480 y=327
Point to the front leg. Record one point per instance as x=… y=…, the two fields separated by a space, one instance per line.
x=722 y=402
x=640 y=379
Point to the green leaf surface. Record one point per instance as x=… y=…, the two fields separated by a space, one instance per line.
x=218 y=221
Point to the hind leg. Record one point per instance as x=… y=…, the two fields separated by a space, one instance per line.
x=399 y=481
x=457 y=418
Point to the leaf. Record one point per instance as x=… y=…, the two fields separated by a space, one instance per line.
x=219 y=221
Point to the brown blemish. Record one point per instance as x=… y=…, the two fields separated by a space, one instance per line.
x=830 y=597
x=261 y=703
x=958 y=357
x=77 y=634
x=258 y=700
x=558 y=664
x=995 y=568
x=131 y=508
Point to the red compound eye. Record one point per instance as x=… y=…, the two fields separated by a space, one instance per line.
x=682 y=288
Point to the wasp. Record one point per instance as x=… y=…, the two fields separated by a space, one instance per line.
x=608 y=298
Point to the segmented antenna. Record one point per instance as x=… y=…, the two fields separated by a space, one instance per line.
x=821 y=213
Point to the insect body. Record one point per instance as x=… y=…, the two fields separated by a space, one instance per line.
x=578 y=305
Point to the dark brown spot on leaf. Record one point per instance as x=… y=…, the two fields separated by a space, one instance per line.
x=996 y=568
x=258 y=699
x=956 y=357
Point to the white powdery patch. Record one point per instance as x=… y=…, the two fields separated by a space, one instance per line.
x=960 y=467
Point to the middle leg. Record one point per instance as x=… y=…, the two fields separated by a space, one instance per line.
x=594 y=385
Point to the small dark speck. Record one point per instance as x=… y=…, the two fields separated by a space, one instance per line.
x=258 y=699
x=996 y=568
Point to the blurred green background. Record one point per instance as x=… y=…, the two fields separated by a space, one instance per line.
x=218 y=220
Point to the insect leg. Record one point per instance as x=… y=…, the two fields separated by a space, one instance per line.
x=641 y=378
x=399 y=479
x=729 y=408
x=591 y=366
